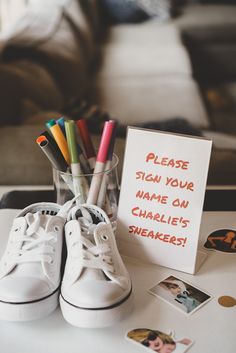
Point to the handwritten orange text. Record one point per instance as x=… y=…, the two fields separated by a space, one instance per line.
x=162 y=218
x=167 y=162
x=176 y=183
x=166 y=238
x=148 y=177
x=145 y=195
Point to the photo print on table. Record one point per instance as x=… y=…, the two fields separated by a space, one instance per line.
x=180 y=294
x=158 y=341
x=223 y=240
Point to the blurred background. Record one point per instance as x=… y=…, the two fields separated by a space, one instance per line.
x=161 y=64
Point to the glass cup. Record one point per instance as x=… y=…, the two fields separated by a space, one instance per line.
x=66 y=183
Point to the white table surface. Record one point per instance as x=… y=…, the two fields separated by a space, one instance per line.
x=212 y=327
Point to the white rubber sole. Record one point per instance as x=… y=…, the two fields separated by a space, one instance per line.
x=98 y=318
x=29 y=311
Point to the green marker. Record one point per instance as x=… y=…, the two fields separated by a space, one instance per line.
x=71 y=141
x=79 y=181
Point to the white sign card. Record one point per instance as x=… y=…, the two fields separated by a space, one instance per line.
x=161 y=198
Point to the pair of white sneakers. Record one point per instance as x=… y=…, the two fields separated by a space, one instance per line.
x=96 y=288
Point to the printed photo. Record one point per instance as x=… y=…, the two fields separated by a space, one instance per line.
x=158 y=341
x=180 y=294
x=222 y=240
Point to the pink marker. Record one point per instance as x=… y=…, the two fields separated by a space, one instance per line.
x=102 y=196
x=100 y=162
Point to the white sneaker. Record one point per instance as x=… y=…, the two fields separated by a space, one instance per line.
x=30 y=267
x=96 y=288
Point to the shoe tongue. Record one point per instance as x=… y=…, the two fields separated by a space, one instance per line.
x=92 y=273
x=90 y=234
x=36 y=220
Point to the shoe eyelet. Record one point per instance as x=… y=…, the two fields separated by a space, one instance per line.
x=104 y=237
x=16 y=229
x=70 y=233
x=56 y=228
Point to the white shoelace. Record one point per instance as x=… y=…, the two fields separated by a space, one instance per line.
x=36 y=247
x=93 y=255
x=35 y=242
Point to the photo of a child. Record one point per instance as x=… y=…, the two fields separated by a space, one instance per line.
x=158 y=341
x=180 y=294
x=223 y=240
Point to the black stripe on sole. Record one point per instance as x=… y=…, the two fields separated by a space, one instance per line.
x=103 y=308
x=32 y=301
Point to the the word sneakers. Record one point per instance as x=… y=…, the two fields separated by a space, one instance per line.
x=96 y=288
x=30 y=266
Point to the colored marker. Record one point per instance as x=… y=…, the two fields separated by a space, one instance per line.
x=79 y=182
x=48 y=149
x=59 y=138
x=83 y=162
x=87 y=142
x=61 y=123
x=56 y=159
x=105 y=180
x=62 y=164
x=100 y=162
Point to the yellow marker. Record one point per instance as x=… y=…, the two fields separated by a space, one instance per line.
x=59 y=138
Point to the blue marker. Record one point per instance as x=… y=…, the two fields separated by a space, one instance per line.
x=61 y=123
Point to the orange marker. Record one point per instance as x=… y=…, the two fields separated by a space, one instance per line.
x=59 y=138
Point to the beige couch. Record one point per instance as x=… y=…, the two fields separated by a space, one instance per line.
x=137 y=73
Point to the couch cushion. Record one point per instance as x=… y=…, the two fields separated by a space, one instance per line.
x=145 y=50
x=149 y=33
x=151 y=98
x=131 y=61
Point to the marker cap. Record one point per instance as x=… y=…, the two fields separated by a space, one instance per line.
x=51 y=123
x=61 y=123
x=41 y=139
x=105 y=141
